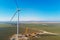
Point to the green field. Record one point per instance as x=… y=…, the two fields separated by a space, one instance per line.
x=7 y=30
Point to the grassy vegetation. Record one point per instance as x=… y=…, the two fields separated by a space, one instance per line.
x=7 y=30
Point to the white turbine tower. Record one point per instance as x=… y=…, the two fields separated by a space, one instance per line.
x=18 y=10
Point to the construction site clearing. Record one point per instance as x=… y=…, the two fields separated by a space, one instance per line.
x=26 y=35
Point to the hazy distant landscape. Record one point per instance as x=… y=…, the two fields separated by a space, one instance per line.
x=7 y=29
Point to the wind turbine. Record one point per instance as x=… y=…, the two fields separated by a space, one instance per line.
x=17 y=11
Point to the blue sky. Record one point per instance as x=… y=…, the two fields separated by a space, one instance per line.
x=31 y=10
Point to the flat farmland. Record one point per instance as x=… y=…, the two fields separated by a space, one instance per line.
x=7 y=30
